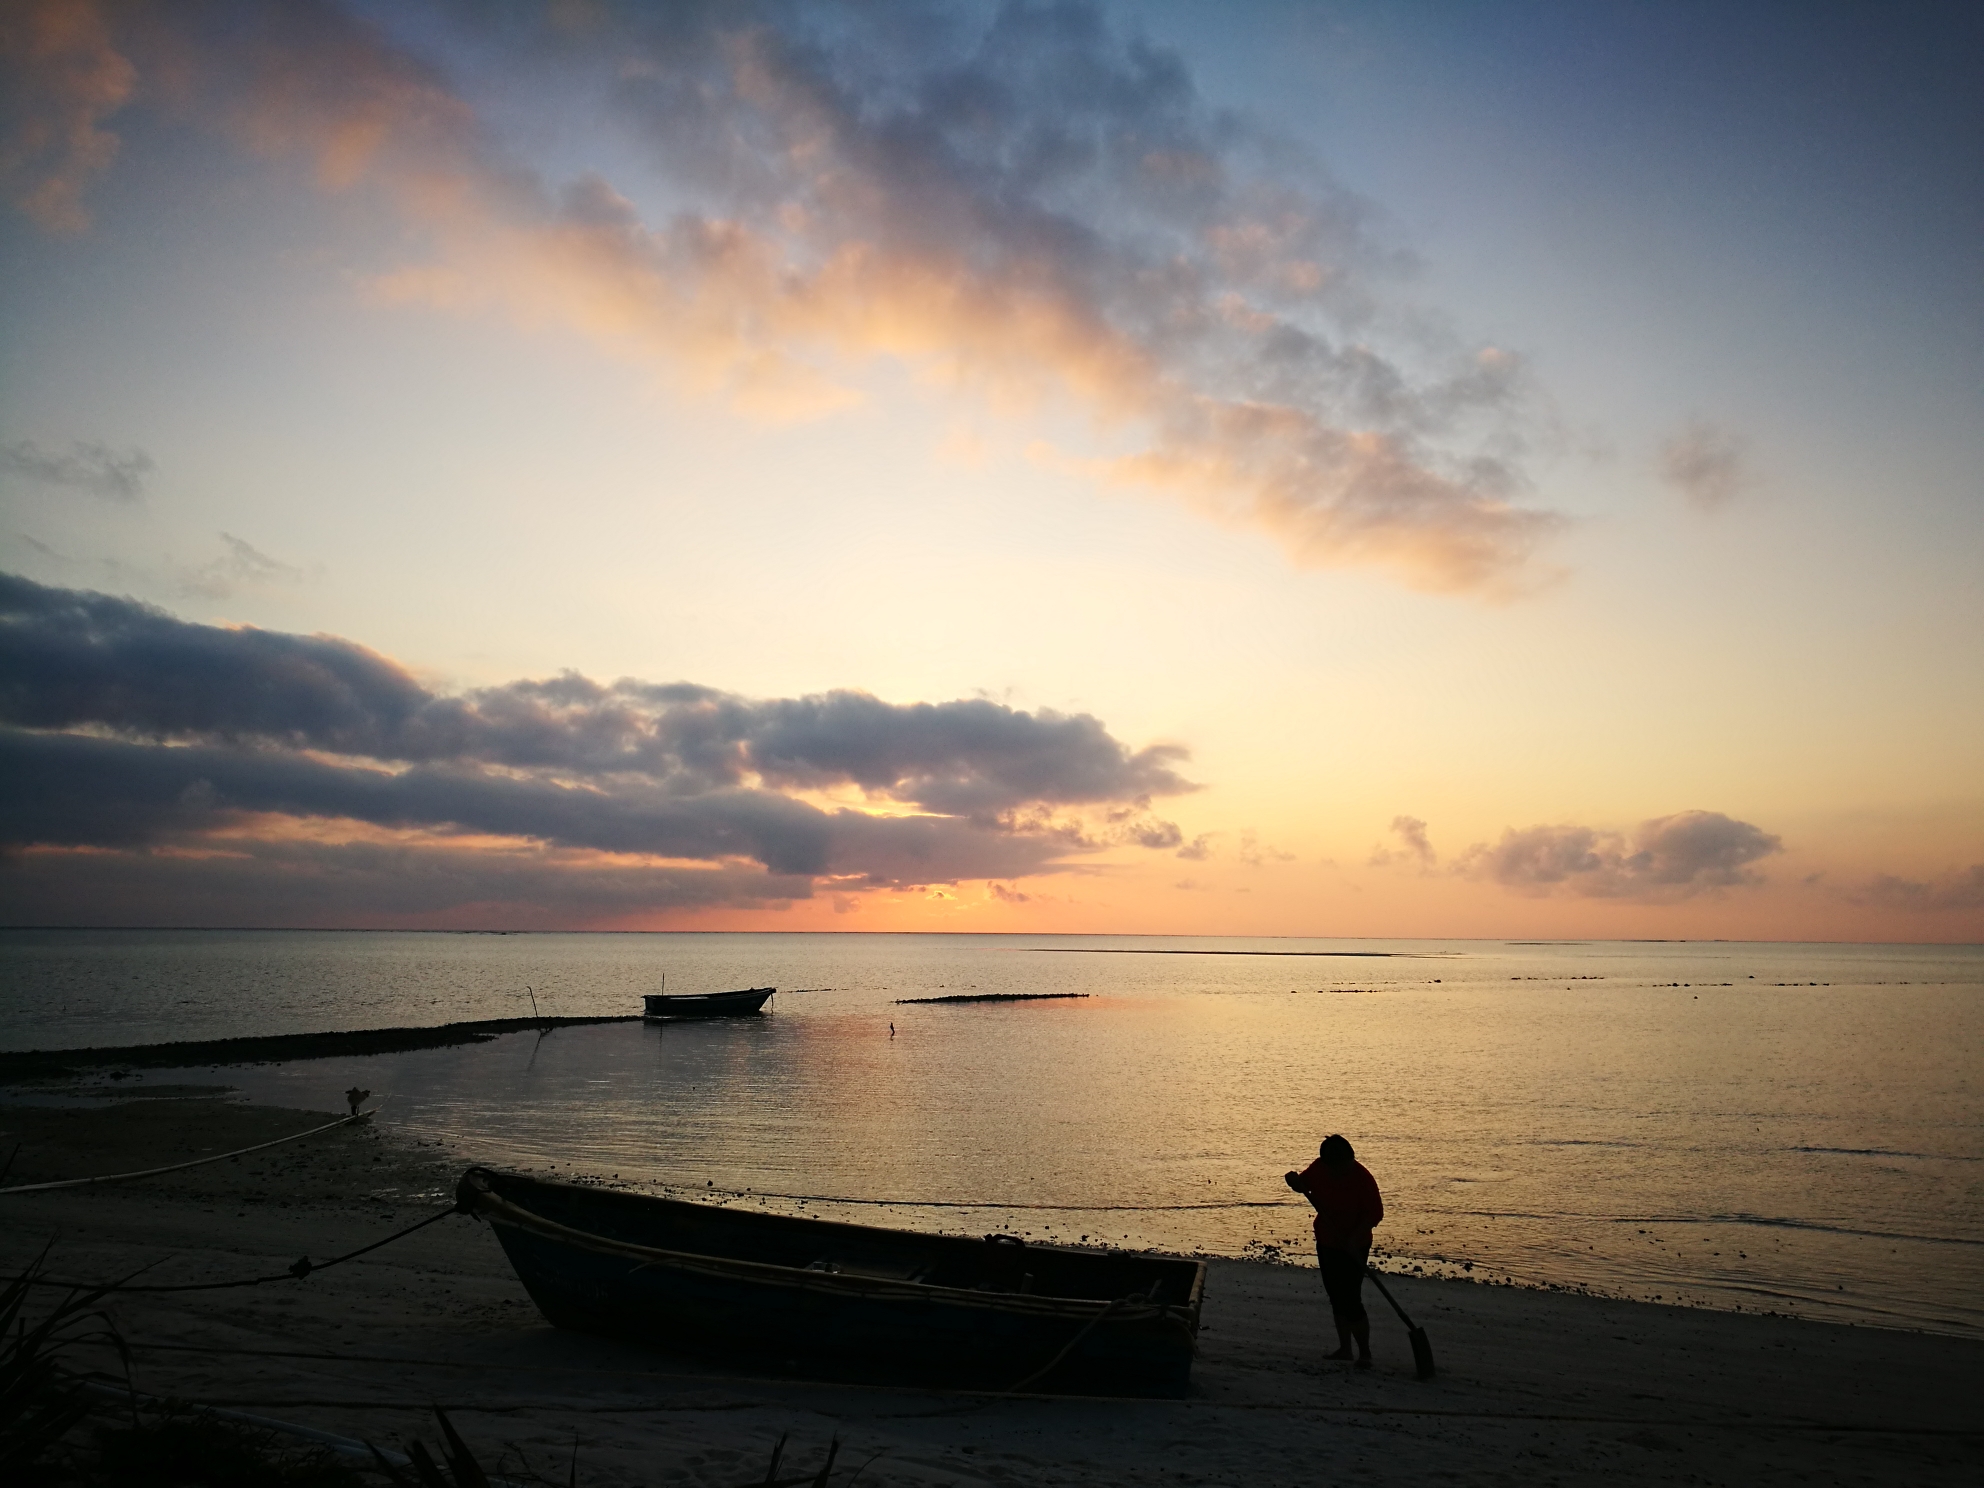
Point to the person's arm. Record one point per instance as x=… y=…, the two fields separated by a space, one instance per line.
x=1294 y=1180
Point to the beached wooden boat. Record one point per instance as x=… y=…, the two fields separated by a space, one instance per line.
x=821 y=1299
x=706 y=1004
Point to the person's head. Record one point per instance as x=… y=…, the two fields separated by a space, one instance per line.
x=1336 y=1151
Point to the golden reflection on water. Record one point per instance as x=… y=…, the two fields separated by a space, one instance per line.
x=1672 y=1120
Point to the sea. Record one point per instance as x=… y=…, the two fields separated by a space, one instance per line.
x=1795 y=1129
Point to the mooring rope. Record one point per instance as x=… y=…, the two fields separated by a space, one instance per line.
x=747 y=1193
x=296 y=1272
x=1069 y=1347
x=178 y=1167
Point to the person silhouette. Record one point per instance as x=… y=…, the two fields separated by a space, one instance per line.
x=1347 y=1204
x=356 y=1098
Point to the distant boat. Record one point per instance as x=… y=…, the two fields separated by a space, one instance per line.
x=818 y=1298
x=706 y=1004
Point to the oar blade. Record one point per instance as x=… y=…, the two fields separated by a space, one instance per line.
x=1422 y=1352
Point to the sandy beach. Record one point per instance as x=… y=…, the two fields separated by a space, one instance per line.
x=1535 y=1387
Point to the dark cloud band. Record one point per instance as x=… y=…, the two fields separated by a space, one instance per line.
x=73 y=660
x=263 y=883
x=124 y=728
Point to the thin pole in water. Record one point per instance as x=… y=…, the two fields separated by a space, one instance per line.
x=533 y=1004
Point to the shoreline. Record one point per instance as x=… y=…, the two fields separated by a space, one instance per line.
x=470 y=930
x=37 y=1064
x=1551 y=1386
x=95 y=1074
x=120 y=1074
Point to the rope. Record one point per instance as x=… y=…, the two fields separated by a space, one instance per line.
x=1087 y=1328
x=300 y=1269
x=178 y=1167
x=746 y=1193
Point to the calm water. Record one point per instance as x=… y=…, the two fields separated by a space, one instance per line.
x=1795 y=1128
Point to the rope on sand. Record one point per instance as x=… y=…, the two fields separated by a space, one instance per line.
x=297 y=1271
x=746 y=1193
x=178 y=1167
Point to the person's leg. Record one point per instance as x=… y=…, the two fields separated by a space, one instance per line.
x=1360 y=1320
x=1338 y=1283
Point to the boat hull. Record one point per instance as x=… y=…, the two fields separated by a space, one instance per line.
x=658 y=1006
x=894 y=1307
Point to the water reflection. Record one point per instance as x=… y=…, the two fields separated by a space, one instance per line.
x=1651 y=1121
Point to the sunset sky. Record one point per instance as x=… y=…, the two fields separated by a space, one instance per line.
x=1306 y=469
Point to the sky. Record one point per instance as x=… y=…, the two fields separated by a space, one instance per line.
x=1329 y=469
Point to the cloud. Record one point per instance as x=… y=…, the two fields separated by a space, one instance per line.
x=73 y=659
x=1666 y=858
x=1415 y=846
x=125 y=729
x=241 y=565
x=1953 y=891
x=1253 y=853
x=1020 y=205
x=251 y=882
x=88 y=466
x=1199 y=848
x=64 y=77
x=1707 y=463
x=963 y=757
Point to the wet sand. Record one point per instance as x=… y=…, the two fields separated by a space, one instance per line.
x=1535 y=1387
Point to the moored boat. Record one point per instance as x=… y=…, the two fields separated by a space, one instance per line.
x=846 y=1301
x=706 y=1004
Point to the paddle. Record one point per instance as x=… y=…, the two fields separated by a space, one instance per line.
x=1422 y=1346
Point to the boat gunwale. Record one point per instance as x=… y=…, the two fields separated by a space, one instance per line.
x=657 y=1007
x=500 y=1210
x=707 y=996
